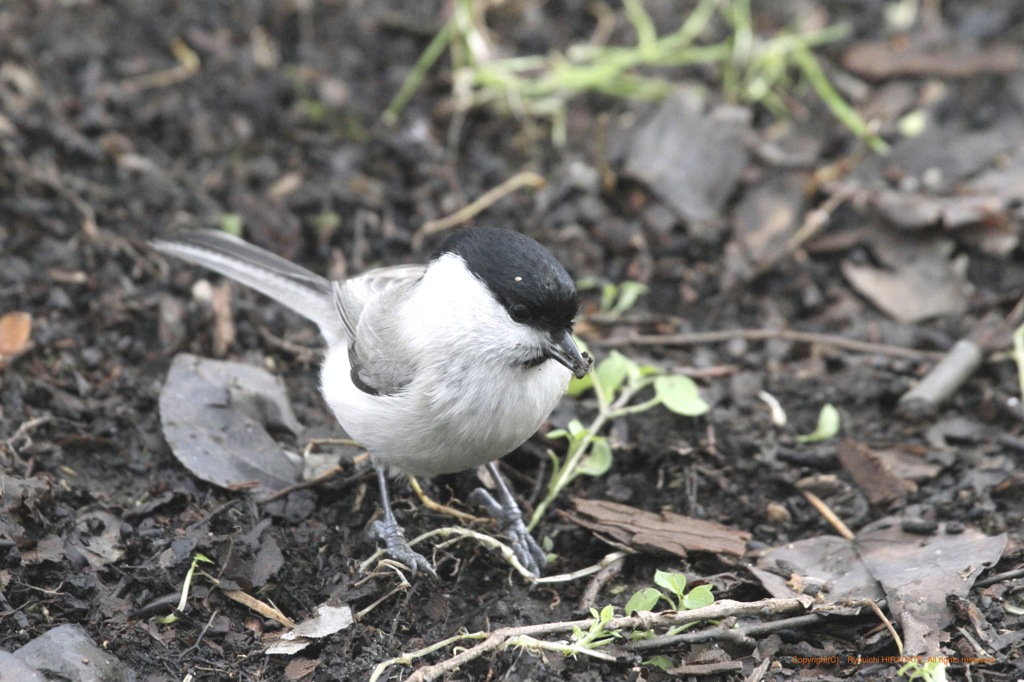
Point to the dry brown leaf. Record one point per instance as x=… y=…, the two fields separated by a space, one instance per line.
x=871 y=473
x=15 y=332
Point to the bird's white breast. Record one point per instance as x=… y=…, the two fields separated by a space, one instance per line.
x=470 y=401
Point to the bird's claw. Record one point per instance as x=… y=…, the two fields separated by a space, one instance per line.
x=510 y=521
x=398 y=548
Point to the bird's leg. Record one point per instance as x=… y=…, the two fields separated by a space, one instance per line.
x=391 y=533
x=510 y=519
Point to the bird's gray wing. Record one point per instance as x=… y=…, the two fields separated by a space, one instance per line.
x=291 y=285
x=380 y=359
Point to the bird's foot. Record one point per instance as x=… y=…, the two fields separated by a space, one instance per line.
x=398 y=547
x=510 y=520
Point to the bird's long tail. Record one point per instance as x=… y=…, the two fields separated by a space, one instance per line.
x=294 y=287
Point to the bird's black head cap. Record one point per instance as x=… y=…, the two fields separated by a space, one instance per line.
x=523 y=275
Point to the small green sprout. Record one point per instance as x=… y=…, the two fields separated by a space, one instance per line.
x=677 y=597
x=616 y=299
x=660 y=661
x=932 y=670
x=232 y=224
x=828 y=425
x=597 y=636
x=167 y=620
x=616 y=381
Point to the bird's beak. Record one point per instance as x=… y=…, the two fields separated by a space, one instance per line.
x=563 y=350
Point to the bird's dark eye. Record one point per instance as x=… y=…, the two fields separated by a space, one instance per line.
x=519 y=312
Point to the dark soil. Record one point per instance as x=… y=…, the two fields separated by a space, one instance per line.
x=107 y=141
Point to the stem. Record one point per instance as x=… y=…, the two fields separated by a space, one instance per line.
x=636 y=409
x=533 y=643
x=568 y=471
x=419 y=72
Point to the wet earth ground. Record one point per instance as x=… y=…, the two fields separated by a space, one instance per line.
x=786 y=262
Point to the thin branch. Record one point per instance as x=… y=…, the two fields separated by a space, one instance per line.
x=726 y=335
x=505 y=637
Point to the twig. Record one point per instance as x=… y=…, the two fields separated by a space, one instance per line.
x=962 y=360
x=888 y=624
x=829 y=515
x=188 y=65
x=455 y=534
x=484 y=201
x=698 y=338
x=505 y=637
x=597 y=583
x=435 y=506
x=202 y=633
x=1000 y=577
x=252 y=603
x=814 y=221
x=735 y=635
x=325 y=476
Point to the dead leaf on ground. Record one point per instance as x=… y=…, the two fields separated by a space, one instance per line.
x=215 y=417
x=826 y=565
x=661 y=532
x=15 y=332
x=871 y=473
x=329 y=619
x=18 y=499
x=915 y=573
x=690 y=158
x=764 y=222
x=919 y=573
x=923 y=280
x=97 y=537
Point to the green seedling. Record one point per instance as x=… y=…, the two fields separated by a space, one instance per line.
x=753 y=69
x=616 y=381
x=167 y=620
x=660 y=661
x=616 y=299
x=828 y=425
x=231 y=223
x=931 y=671
x=597 y=636
x=674 y=594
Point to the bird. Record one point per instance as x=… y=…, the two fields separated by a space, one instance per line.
x=432 y=368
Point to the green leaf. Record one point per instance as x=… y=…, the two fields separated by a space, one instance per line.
x=607 y=613
x=643 y=600
x=673 y=582
x=629 y=292
x=679 y=394
x=698 y=597
x=578 y=387
x=576 y=428
x=231 y=223
x=598 y=461
x=609 y=292
x=828 y=425
x=612 y=371
x=660 y=661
